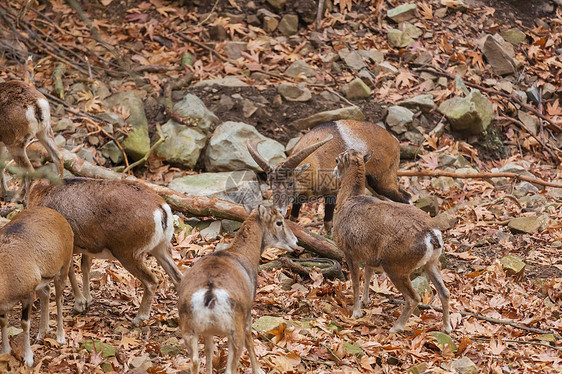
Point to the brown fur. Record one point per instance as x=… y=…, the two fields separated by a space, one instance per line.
x=116 y=218
x=16 y=129
x=35 y=247
x=384 y=234
x=381 y=170
x=233 y=271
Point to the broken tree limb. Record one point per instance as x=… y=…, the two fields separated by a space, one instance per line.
x=330 y=269
x=442 y=173
x=200 y=206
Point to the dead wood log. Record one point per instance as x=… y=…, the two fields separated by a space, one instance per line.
x=200 y=206
x=330 y=269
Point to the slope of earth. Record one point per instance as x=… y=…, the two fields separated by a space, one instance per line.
x=504 y=319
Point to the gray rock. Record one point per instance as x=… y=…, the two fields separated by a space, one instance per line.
x=528 y=120
x=228 y=81
x=193 y=108
x=111 y=150
x=300 y=68
x=424 y=102
x=277 y=4
x=237 y=186
x=211 y=232
x=444 y=183
x=253 y=19
x=464 y=366
x=374 y=55
x=350 y=112
x=533 y=94
x=548 y=90
x=412 y=31
x=227 y=149
x=356 y=89
x=291 y=144
x=525 y=188
x=399 y=39
x=514 y=36
x=445 y=221
x=385 y=68
x=137 y=141
x=270 y=24
x=421 y=285
x=294 y=92
x=234 y=49
x=289 y=24
x=64 y=124
x=499 y=54
x=526 y=224
x=471 y=114
x=183 y=145
x=429 y=204
x=517 y=169
x=354 y=61
x=399 y=118
x=533 y=202
x=403 y=13
x=512 y=265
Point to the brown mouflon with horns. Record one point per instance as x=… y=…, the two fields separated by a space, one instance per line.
x=25 y=114
x=216 y=295
x=397 y=237
x=120 y=220
x=35 y=248
x=307 y=172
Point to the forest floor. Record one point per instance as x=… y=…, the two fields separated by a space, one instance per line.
x=502 y=322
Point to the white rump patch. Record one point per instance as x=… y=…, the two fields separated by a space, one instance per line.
x=218 y=319
x=31 y=119
x=44 y=105
x=169 y=232
x=350 y=139
x=429 y=252
x=440 y=238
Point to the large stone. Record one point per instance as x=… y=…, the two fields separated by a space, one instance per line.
x=354 y=61
x=137 y=141
x=514 y=36
x=402 y=13
x=111 y=150
x=356 y=89
x=350 y=112
x=399 y=118
x=385 y=67
x=421 y=285
x=429 y=204
x=267 y=324
x=294 y=92
x=464 y=366
x=445 y=221
x=236 y=186
x=183 y=145
x=300 y=68
x=424 y=102
x=277 y=4
x=526 y=224
x=289 y=24
x=234 y=49
x=192 y=108
x=270 y=24
x=227 y=149
x=399 y=39
x=499 y=54
x=512 y=265
x=471 y=114
x=228 y=81
x=530 y=121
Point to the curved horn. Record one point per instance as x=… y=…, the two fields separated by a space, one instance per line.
x=252 y=145
x=294 y=160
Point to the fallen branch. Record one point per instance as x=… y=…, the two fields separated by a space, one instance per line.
x=442 y=173
x=200 y=206
x=144 y=158
x=518 y=342
x=487 y=319
x=330 y=269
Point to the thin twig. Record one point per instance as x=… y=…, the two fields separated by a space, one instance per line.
x=487 y=319
x=517 y=341
x=192 y=41
x=521 y=124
